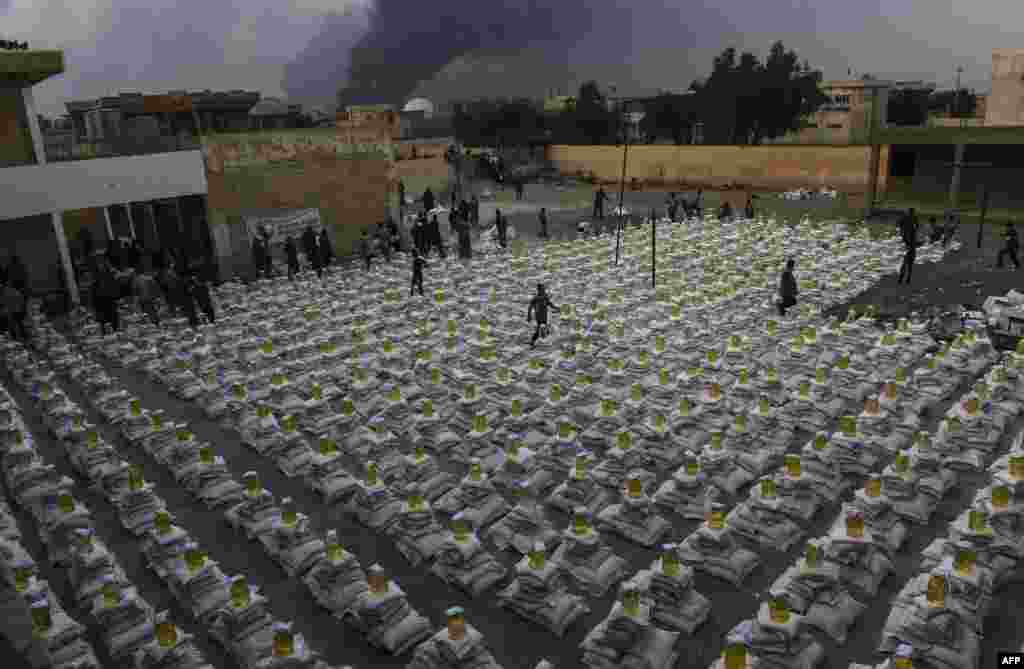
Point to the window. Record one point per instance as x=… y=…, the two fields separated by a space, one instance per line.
x=835 y=126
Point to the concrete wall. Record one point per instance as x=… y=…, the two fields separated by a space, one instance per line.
x=262 y=172
x=37 y=189
x=760 y=167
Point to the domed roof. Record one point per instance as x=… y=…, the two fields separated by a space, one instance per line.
x=419 y=105
x=269 y=107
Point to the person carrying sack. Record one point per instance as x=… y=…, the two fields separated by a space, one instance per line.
x=539 y=308
x=787 y=288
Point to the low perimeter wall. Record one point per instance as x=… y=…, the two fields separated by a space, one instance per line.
x=264 y=173
x=845 y=168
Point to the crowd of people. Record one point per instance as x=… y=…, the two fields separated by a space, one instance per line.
x=317 y=248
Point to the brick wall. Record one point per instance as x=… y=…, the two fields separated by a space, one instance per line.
x=759 y=167
x=350 y=193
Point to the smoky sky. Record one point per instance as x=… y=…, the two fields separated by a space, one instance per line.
x=407 y=43
x=304 y=48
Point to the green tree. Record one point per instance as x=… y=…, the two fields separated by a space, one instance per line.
x=590 y=120
x=670 y=115
x=746 y=101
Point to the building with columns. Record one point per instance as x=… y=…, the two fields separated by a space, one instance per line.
x=157 y=199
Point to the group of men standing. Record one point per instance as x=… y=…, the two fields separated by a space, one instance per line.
x=317 y=248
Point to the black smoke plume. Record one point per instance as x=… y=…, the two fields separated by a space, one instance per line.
x=409 y=41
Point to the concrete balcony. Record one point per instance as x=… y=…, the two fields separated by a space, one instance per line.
x=27 y=68
x=65 y=148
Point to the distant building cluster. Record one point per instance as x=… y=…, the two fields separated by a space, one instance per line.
x=117 y=124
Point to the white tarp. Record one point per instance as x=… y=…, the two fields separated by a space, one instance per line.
x=286 y=224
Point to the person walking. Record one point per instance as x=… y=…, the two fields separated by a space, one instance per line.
x=259 y=252
x=326 y=250
x=309 y=246
x=418 y=263
x=475 y=206
x=543 y=216
x=502 y=226
x=188 y=300
x=146 y=292
x=434 y=236
x=748 y=210
x=908 y=229
x=382 y=242
x=366 y=249
x=200 y=292
x=106 y=293
x=465 y=242
x=672 y=206
x=291 y=253
x=520 y=188
x=429 y=201
x=787 y=288
x=599 y=199
x=418 y=235
x=538 y=310
x=15 y=306
x=1010 y=248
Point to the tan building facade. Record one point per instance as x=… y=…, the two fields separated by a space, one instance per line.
x=368 y=124
x=1005 y=105
x=846 y=118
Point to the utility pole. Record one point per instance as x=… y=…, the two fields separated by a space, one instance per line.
x=876 y=151
x=654 y=254
x=984 y=212
x=957 y=102
x=622 y=187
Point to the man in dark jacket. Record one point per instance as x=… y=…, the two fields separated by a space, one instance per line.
x=428 y=200
x=418 y=235
x=188 y=300
x=292 y=255
x=259 y=252
x=787 y=288
x=200 y=291
x=309 y=247
x=418 y=263
x=1012 y=246
x=543 y=216
x=434 y=234
x=326 y=250
x=908 y=230
x=366 y=249
x=502 y=225
x=599 y=198
x=106 y=293
x=539 y=309
x=475 y=210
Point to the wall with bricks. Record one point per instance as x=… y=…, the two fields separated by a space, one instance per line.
x=250 y=175
x=760 y=167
